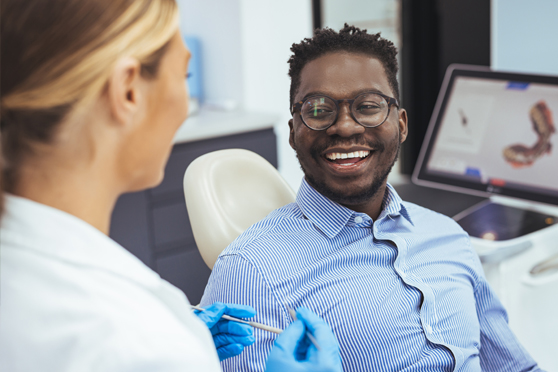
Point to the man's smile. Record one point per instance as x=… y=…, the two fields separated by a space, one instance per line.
x=349 y=161
x=335 y=156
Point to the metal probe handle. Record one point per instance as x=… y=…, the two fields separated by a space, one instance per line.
x=253 y=324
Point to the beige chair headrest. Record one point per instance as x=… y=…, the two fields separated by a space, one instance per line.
x=226 y=192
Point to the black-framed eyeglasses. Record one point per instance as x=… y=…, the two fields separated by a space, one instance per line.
x=369 y=109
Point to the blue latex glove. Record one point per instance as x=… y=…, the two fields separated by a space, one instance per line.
x=230 y=337
x=293 y=351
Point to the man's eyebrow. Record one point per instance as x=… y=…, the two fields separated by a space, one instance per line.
x=320 y=93
x=316 y=93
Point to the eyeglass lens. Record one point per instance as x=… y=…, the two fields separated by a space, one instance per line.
x=368 y=109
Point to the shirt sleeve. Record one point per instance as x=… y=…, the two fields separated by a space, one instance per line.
x=500 y=350
x=235 y=280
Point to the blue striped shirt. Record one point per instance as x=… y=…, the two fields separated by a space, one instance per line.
x=403 y=293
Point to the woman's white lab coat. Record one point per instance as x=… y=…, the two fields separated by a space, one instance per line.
x=71 y=299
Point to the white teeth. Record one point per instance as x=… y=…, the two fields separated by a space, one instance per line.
x=345 y=155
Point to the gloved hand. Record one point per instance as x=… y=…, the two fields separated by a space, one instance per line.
x=229 y=337
x=294 y=352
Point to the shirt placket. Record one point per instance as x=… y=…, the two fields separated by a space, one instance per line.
x=427 y=311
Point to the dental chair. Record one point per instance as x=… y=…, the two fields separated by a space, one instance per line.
x=226 y=192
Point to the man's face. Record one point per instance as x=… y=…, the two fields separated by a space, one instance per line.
x=352 y=181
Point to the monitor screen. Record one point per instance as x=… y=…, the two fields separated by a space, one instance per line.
x=493 y=133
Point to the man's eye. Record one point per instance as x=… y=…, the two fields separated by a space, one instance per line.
x=369 y=109
x=318 y=111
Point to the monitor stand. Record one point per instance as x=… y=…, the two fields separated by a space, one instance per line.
x=503 y=227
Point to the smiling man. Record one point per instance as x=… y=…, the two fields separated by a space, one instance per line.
x=399 y=285
x=338 y=98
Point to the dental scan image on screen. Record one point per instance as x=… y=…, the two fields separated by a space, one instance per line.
x=500 y=133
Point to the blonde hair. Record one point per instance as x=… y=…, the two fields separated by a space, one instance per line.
x=79 y=76
x=57 y=56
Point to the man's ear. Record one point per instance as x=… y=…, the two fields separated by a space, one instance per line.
x=291 y=134
x=123 y=89
x=403 y=125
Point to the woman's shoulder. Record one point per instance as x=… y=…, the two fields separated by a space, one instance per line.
x=49 y=305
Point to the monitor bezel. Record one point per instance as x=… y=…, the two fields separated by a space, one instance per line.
x=422 y=177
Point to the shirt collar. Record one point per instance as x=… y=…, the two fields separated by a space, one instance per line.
x=392 y=205
x=331 y=217
x=51 y=232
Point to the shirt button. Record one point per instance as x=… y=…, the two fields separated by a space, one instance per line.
x=358 y=219
x=428 y=328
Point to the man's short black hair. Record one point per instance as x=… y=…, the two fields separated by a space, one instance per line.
x=349 y=39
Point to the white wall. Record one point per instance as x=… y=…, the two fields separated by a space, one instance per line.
x=524 y=36
x=373 y=15
x=245 y=47
x=217 y=24
x=268 y=29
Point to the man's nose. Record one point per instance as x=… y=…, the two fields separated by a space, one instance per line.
x=345 y=126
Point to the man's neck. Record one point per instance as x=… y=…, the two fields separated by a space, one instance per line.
x=373 y=206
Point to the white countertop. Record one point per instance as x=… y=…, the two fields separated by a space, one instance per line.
x=210 y=124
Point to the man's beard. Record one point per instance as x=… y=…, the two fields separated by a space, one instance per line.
x=355 y=199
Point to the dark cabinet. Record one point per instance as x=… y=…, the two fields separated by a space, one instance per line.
x=154 y=224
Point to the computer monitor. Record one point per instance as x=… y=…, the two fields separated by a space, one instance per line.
x=493 y=133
